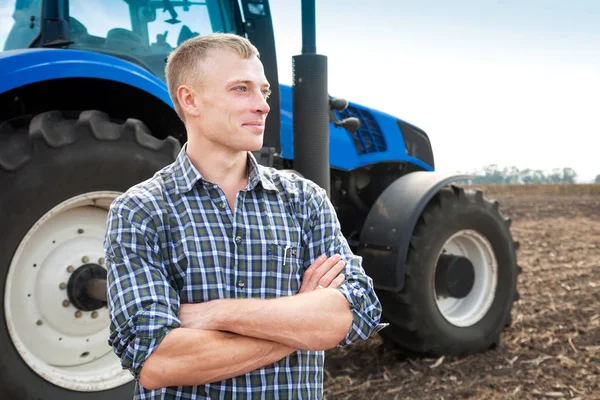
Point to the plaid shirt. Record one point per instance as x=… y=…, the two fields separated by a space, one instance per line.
x=173 y=239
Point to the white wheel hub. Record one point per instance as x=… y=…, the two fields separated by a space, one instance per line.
x=64 y=345
x=468 y=310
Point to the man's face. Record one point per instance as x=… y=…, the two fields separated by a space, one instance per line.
x=232 y=101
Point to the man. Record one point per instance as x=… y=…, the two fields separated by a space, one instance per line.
x=227 y=279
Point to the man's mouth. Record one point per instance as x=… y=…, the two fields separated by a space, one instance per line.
x=258 y=127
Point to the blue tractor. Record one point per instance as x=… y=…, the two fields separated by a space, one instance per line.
x=85 y=114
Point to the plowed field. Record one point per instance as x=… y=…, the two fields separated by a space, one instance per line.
x=552 y=349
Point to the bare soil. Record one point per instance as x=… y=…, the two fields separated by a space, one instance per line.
x=552 y=349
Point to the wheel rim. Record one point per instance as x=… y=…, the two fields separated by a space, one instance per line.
x=62 y=344
x=467 y=311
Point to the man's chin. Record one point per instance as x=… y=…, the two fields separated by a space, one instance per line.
x=253 y=145
x=249 y=141
x=257 y=147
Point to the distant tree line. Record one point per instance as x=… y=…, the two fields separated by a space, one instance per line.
x=493 y=174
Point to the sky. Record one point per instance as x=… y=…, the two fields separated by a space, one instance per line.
x=506 y=82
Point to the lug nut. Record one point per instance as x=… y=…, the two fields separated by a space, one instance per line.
x=78 y=314
x=101 y=261
x=95 y=314
x=85 y=259
x=66 y=303
x=70 y=268
x=62 y=286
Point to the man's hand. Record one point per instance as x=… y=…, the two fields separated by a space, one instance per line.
x=323 y=273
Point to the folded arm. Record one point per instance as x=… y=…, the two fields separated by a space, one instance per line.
x=189 y=357
x=224 y=354
x=316 y=320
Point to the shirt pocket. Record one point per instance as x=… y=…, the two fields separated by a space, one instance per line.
x=284 y=269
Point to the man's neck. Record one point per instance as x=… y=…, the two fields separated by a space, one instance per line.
x=218 y=165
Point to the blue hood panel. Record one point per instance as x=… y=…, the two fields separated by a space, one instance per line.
x=343 y=152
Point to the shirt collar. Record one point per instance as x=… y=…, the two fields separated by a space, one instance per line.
x=187 y=176
x=256 y=175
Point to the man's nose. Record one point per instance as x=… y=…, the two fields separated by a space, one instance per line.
x=262 y=106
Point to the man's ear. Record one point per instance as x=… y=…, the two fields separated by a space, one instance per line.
x=188 y=100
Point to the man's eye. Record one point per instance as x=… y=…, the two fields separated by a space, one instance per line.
x=241 y=88
x=266 y=93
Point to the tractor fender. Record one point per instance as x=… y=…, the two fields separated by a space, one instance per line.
x=27 y=66
x=390 y=223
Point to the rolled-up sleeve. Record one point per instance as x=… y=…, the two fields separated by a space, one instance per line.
x=143 y=307
x=326 y=237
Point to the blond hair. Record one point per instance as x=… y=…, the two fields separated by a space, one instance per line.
x=183 y=64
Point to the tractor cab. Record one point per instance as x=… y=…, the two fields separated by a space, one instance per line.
x=141 y=31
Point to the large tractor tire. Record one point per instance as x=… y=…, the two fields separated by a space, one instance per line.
x=460 y=279
x=59 y=172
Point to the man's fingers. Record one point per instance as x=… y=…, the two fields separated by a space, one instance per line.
x=321 y=273
x=321 y=270
x=316 y=264
x=326 y=280
x=337 y=281
x=309 y=273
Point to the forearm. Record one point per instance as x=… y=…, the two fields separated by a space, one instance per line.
x=317 y=320
x=189 y=357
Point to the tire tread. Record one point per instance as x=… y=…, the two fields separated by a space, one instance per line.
x=53 y=129
x=56 y=129
x=16 y=149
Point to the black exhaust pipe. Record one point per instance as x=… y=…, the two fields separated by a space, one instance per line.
x=310 y=101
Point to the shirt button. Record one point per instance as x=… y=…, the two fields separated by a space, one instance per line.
x=241 y=284
x=238 y=239
x=222 y=205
